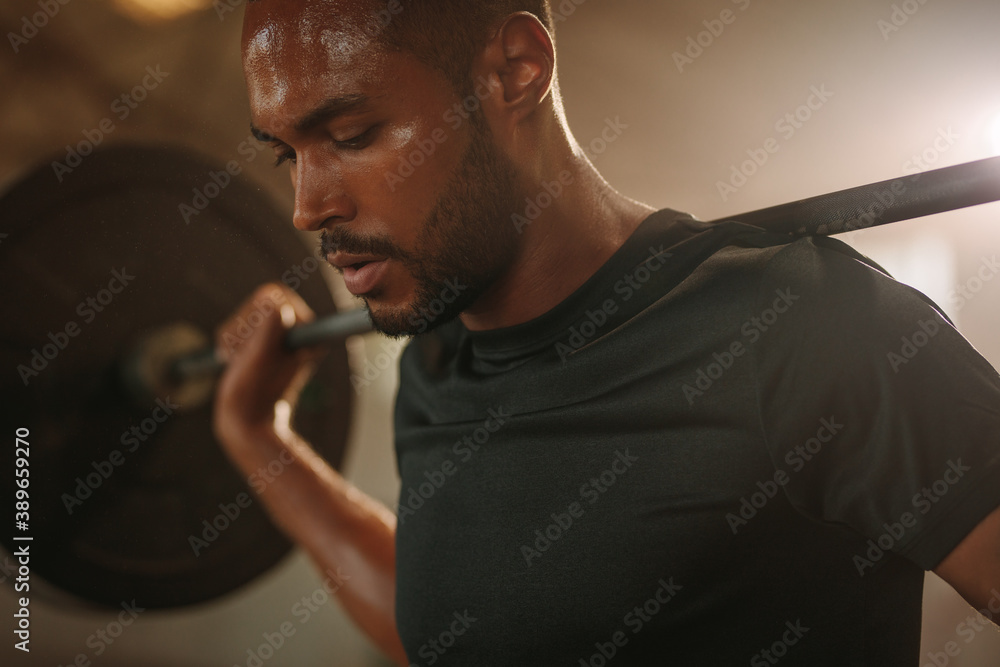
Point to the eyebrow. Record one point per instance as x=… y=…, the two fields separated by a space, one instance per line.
x=326 y=111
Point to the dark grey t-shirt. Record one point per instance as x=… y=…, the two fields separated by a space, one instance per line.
x=724 y=449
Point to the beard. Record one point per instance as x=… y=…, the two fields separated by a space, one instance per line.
x=465 y=244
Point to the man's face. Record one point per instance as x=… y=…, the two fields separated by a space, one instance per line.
x=413 y=199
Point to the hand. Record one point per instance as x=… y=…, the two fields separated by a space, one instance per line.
x=335 y=522
x=260 y=371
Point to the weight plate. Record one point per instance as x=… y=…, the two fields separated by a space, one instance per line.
x=121 y=493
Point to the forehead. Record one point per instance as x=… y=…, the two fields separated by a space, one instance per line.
x=294 y=50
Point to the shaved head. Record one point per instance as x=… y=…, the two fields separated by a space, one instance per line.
x=443 y=34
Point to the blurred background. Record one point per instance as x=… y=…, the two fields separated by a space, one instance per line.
x=895 y=89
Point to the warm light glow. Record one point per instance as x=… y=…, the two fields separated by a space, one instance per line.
x=149 y=11
x=283 y=419
x=995 y=135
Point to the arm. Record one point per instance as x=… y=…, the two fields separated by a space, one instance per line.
x=973 y=567
x=342 y=529
x=908 y=412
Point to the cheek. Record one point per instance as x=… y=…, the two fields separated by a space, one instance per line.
x=418 y=163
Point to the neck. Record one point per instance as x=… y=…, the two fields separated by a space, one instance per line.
x=561 y=248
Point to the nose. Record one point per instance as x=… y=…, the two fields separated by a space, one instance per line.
x=320 y=195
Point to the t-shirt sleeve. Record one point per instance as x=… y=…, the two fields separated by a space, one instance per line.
x=884 y=417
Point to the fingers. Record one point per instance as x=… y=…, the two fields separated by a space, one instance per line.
x=260 y=370
x=264 y=318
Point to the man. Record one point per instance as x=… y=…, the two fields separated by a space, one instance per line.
x=622 y=435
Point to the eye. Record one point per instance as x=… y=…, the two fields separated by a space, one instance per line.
x=284 y=156
x=358 y=142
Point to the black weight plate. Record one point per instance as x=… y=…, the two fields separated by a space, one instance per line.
x=119 y=211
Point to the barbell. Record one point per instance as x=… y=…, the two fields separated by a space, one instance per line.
x=116 y=393
x=913 y=196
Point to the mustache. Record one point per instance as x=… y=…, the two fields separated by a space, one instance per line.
x=346 y=241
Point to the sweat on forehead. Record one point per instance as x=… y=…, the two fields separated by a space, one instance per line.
x=443 y=34
x=293 y=48
x=276 y=26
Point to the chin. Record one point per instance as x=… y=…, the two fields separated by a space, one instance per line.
x=410 y=318
x=395 y=320
x=394 y=323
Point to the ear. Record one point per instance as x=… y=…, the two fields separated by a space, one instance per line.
x=519 y=64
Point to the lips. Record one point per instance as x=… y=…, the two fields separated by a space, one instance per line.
x=362 y=273
x=343 y=260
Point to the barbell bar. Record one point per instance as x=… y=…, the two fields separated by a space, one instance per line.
x=912 y=196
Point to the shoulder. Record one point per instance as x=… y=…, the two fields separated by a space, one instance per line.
x=815 y=263
x=823 y=276
x=819 y=262
x=840 y=292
